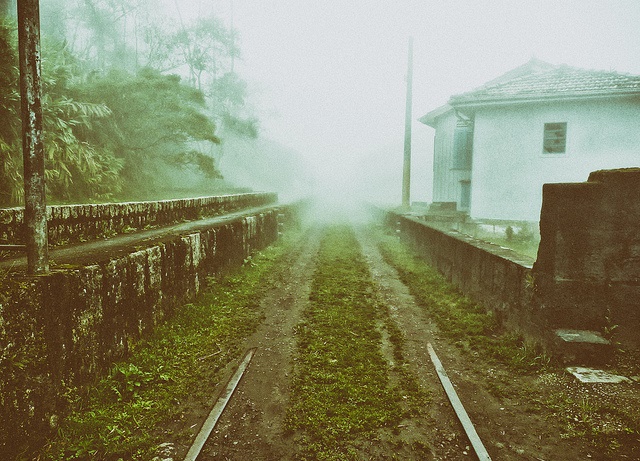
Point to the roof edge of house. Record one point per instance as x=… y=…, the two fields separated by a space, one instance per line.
x=527 y=99
x=430 y=117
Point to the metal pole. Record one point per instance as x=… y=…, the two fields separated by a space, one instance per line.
x=35 y=210
x=406 y=171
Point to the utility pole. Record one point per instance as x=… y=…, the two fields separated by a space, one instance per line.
x=233 y=37
x=35 y=209
x=406 y=171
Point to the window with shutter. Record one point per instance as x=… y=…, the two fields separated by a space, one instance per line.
x=462 y=146
x=555 y=138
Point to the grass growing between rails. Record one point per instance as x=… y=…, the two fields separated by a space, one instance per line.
x=344 y=392
x=119 y=417
x=459 y=318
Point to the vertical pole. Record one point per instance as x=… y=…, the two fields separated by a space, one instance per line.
x=233 y=37
x=406 y=171
x=35 y=210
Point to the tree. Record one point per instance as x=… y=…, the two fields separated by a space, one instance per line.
x=228 y=95
x=109 y=24
x=159 y=49
x=158 y=124
x=74 y=169
x=205 y=48
x=10 y=164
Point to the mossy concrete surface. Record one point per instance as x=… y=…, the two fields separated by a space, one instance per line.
x=59 y=330
x=76 y=223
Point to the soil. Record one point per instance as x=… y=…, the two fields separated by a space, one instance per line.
x=503 y=406
x=251 y=428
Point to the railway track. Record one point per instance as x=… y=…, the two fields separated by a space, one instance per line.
x=228 y=390
x=228 y=440
x=492 y=413
x=477 y=409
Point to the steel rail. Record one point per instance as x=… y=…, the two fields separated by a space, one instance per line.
x=476 y=443
x=218 y=408
x=13 y=247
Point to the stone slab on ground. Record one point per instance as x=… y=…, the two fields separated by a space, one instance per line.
x=593 y=375
x=581 y=336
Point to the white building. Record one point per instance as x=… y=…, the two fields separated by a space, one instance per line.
x=497 y=145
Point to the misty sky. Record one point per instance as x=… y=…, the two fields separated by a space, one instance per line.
x=328 y=77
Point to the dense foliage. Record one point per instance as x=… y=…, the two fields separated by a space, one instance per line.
x=133 y=104
x=156 y=122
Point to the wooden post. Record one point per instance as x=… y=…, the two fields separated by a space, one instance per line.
x=35 y=210
x=406 y=171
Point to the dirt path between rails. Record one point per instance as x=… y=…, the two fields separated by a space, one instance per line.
x=512 y=427
x=251 y=428
x=445 y=433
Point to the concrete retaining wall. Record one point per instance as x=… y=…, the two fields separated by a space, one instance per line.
x=75 y=223
x=71 y=324
x=586 y=277
x=588 y=267
x=497 y=277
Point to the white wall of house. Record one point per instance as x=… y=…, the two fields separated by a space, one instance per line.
x=509 y=166
x=446 y=179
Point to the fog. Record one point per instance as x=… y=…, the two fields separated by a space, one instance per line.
x=326 y=81
x=328 y=78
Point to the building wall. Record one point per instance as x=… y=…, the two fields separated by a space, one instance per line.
x=509 y=167
x=446 y=179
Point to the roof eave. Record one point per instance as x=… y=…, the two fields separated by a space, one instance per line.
x=430 y=117
x=531 y=99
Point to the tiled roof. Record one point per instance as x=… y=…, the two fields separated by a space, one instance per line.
x=551 y=82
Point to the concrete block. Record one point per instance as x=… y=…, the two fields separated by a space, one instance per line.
x=582 y=347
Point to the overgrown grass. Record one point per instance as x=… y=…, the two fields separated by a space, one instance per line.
x=120 y=417
x=343 y=391
x=605 y=418
x=468 y=324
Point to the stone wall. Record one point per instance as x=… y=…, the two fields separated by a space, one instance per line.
x=586 y=277
x=497 y=277
x=75 y=223
x=69 y=325
x=588 y=267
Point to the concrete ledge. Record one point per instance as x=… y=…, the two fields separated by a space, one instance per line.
x=579 y=347
x=76 y=223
